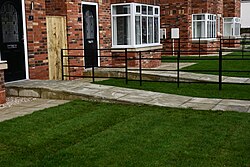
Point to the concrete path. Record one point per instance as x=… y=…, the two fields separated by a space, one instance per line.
x=84 y=90
x=28 y=107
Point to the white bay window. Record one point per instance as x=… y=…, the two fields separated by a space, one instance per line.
x=203 y=26
x=135 y=25
x=231 y=26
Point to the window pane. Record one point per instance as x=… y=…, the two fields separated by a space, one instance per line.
x=156 y=30
x=228 y=19
x=138 y=9
x=144 y=29
x=123 y=31
x=214 y=30
x=228 y=29
x=9 y=23
x=150 y=30
x=199 y=17
x=150 y=10
x=90 y=25
x=237 y=19
x=144 y=9
x=218 y=25
x=199 y=29
x=156 y=11
x=237 y=29
x=121 y=9
x=209 y=29
x=138 y=29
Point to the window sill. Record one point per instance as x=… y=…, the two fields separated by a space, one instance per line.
x=204 y=40
x=138 y=48
x=231 y=37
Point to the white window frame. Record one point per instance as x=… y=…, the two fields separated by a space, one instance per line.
x=209 y=19
x=233 y=22
x=133 y=14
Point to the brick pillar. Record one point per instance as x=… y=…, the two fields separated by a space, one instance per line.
x=3 y=66
x=37 y=39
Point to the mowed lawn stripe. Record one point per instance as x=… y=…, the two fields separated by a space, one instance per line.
x=165 y=138
x=103 y=134
x=37 y=137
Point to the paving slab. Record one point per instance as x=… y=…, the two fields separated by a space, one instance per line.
x=136 y=99
x=192 y=76
x=109 y=94
x=231 y=108
x=235 y=102
x=84 y=90
x=25 y=108
x=247 y=81
x=209 y=78
x=248 y=110
x=198 y=106
x=168 y=100
x=98 y=87
x=235 y=80
x=205 y=100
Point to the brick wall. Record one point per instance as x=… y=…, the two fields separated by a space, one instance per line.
x=149 y=59
x=37 y=40
x=74 y=33
x=55 y=8
x=105 y=33
x=231 y=8
x=2 y=87
x=178 y=14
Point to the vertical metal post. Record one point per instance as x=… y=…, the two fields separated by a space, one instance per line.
x=220 y=67
x=173 y=46
x=126 y=64
x=242 y=49
x=93 y=68
x=62 y=64
x=243 y=46
x=178 y=63
x=229 y=42
x=140 y=68
x=68 y=65
x=199 y=47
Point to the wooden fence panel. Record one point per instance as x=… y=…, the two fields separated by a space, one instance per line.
x=57 y=39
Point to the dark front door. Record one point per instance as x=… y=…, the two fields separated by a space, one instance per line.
x=11 y=39
x=90 y=36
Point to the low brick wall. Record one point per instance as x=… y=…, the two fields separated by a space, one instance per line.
x=149 y=59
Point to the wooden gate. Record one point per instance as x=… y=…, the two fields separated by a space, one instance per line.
x=57 y=40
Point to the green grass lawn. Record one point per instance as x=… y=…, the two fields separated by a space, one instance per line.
x=229 y=91
x=201 y=64
x=91 y=134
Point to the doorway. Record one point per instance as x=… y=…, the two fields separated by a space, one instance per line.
x=12 y=39
x=90 y=35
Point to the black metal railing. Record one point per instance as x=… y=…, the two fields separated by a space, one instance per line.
x=119 y=59
x=72 y=63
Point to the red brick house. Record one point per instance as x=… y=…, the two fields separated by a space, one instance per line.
x=201 y=20
x=30 y=30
